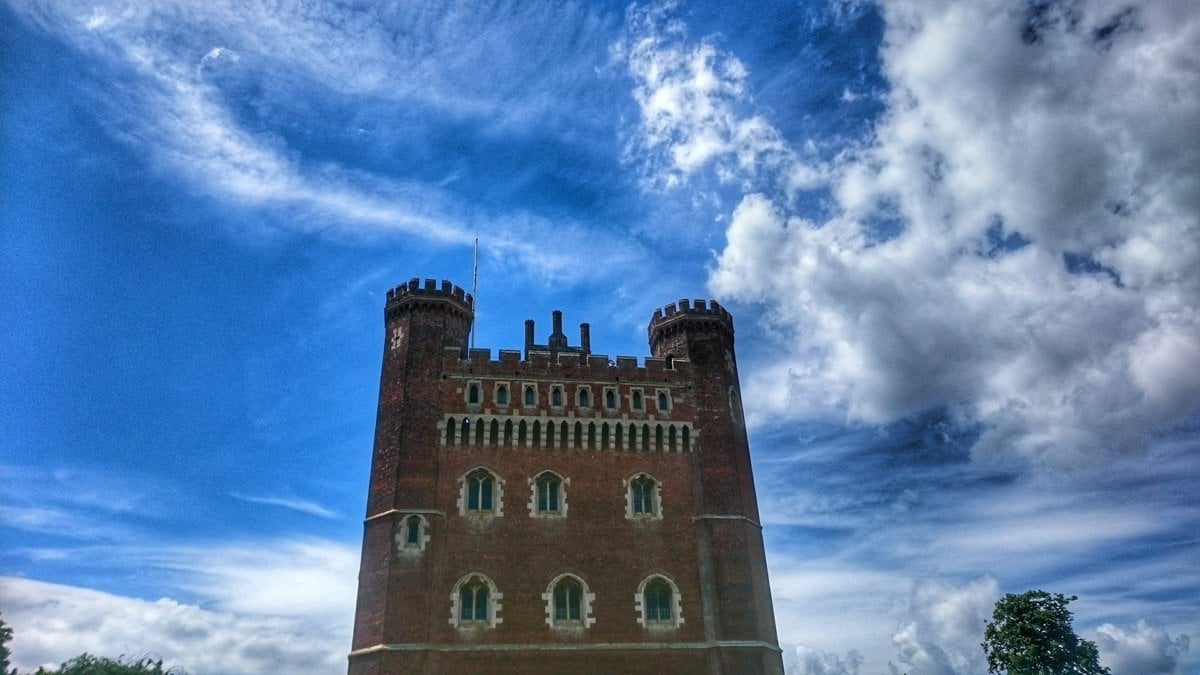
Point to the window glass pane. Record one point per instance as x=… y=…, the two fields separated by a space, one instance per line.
x=552 y=494
x=485 y=497
x=414 y=530
x=560 y=602
x=473 y=394
x=610 y=399
x=637 y=400
x=529 y=396
x=466 y=607
x=556 y=397
x=473 y=493
x=573 y=593
x=481 y=601
x=502 y=395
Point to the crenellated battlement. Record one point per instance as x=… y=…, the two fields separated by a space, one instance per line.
x=542 y=364
x=431 y=290
x=684 y=310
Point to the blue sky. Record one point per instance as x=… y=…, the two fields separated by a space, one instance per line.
x=960 y=243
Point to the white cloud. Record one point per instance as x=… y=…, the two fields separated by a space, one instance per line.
x=168 y=94
x=804 y=660
x=947 y=624
x=54 y=622
x=690 y=98
x=1145 y=649
x=1042 y=282
x=310 y=578
x=301 y=505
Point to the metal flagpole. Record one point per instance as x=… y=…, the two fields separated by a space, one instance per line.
x=474 y=290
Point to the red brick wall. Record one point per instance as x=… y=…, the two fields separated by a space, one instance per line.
x=718 y=566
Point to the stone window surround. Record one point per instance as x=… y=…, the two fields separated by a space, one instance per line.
x=627 y=484
x=659 y=393
x=585 y=604
x=616 y=398
x=401 y=536
x=638 y=390
x=478 y=384
x=496 y=394
x=493 y=606
x=676 y=605
x=562 y=495
x=497 y=495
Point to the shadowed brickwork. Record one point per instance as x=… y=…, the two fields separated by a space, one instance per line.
x=557 y=510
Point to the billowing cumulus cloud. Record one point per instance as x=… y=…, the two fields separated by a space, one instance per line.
x=1145 y=649
x=804 y=660
x=944 y=634
x=1016 y=242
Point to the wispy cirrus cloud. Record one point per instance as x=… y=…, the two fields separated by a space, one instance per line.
x=173 y=79
x=293 y=503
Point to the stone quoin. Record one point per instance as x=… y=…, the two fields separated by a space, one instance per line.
x=557 y=510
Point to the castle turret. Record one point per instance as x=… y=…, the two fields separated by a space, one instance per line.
x=730 y=534
x=421 y=323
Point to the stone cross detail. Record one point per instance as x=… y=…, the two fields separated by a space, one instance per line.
x=397 y=336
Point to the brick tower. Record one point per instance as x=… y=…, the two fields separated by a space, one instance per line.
x=558 y=511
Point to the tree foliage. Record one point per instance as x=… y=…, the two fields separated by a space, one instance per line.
x=86 y=664
x=6 y=634
x=1031 y=634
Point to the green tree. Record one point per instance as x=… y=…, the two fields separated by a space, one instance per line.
x=1031 y=634
x=86 y=664
x=6 y=634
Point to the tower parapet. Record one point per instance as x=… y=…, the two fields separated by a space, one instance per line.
x=687 y=314
x=414 y=292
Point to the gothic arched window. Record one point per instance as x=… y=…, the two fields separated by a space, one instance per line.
x=475 y=602
x=568 y=601
x=548 y=488
x=642 y=499
x=657 y=600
